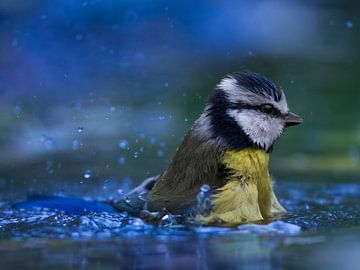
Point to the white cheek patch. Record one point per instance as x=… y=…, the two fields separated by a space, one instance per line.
x=262 y=129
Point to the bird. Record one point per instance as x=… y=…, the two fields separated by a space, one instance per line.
x=227 y=149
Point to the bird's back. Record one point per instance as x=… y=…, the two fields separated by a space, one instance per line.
x=196 y=162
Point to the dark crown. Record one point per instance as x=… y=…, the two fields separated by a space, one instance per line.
x=257 y=84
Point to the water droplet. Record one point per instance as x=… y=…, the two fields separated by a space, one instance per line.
x=49 y=144
x=123 y=144
x=17 y=111
x=87 y=174
x=75 y=145
x=166 y=84
x=136 y=155
x=153 y=140
x=127 y=199
x=80 y=129
x=162 y=144
x=49 y=166
x=205 y=188
x=121 y=160
x=107 y=117
x=185 y=119
x=167 y=221
x=349 y=24
x=141 y=149
x=204 y=200
x=120 y=191
x=112 y=109
x=160 y=153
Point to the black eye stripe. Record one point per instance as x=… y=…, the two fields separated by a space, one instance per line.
x=265 y=108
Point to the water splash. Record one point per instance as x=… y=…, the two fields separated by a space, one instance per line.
x=167 y=221
x=311 y=207
x=204 y=200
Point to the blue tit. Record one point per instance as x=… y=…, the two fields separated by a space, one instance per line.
x=228 y=149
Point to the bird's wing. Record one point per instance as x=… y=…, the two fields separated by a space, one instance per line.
x=195 y=163
x=134 y=201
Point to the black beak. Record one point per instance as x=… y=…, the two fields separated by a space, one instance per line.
x=291 y=119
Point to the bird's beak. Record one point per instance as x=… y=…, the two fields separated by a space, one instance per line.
x=291 y=119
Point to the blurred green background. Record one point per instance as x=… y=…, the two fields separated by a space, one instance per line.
x=96 y=95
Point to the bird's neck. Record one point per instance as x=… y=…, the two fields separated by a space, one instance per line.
x=248 y=162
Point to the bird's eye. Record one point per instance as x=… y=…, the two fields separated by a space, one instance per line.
x=267 y=108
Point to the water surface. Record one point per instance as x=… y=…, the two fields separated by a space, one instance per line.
x=320 y=216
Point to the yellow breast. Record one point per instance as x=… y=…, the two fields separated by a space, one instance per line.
x=248 y=162
x=247 y=195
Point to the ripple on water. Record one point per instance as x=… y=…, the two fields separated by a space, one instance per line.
x=310 y=207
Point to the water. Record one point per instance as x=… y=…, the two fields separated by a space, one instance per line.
x=319 y=216
x=121 y=87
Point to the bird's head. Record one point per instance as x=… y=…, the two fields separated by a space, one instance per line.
x=248 y=110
